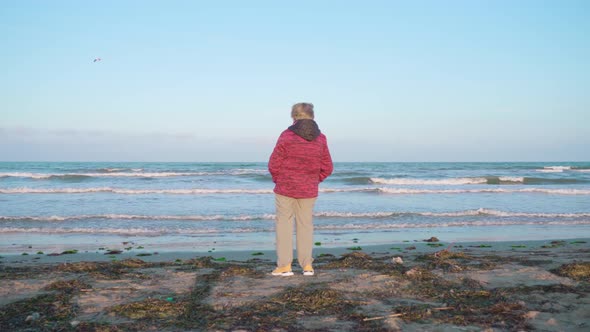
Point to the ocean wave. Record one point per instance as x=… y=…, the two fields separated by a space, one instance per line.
x=197 y=191
x=452 y=181
x=354 y=180
x=120 y=231
x=133 y=191
x=555 y=169
x=464 y=213
x=141 y=231
x=138 y=217
x=111 y=170
x=134 y=173
x=493 y=180
x=447 y=224
x=401 y=191
x=320 y=215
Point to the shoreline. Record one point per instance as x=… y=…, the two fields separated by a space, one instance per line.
x=31 y=243
x=399 y=248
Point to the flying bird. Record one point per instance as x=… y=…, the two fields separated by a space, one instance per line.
x=96 y=60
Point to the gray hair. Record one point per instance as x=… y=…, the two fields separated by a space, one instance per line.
x=302 y=111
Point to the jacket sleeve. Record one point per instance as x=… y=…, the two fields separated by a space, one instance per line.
x=327 y=166
x=276 y=159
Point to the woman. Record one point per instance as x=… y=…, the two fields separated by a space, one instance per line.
x=299 y=162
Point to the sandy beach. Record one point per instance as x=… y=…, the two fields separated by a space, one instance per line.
x=411 y=286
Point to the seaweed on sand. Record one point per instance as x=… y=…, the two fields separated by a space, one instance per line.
x=131 y=263
x=554 y=244
x=360 y=260
x=240 y=270
x=150 y=309
x=197 y=313
x=466 y=303
x=23 y=272
x=54 y=312
x=201 y=262
x=283 y=309
x=324 y=258
x=577 y=271
x=483 y=308
x=107 y=270
x=82 y=266
x=72 y=286
x=446 y=260
x=452 y=261
x=103 y=327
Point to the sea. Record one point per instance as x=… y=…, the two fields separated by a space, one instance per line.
x=203 y=207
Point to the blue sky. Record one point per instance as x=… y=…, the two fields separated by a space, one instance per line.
x=215 y=80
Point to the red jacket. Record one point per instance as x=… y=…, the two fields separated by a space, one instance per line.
x=300 y=160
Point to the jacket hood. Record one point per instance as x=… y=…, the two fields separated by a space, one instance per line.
x=306 y=128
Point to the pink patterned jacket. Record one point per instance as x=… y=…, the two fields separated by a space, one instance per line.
x=300 y=160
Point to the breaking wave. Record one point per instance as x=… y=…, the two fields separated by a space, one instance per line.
x=561 y=169
x=325 y=214
x=134 y=173
x=401 y=191
x=476 y=180
x=405 y=181
x=338 y=227
x=133 y=191
x=197 y=191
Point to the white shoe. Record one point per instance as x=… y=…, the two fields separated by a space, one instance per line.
x=284 y=271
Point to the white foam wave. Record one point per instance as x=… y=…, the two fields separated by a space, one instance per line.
x=554 y=169
x=477 y=212
x=197 y=191
x=401 y=191
x=558 y=167
x=140 y=217
x=26 y=175
x=516 y=179
x=121 y=231
x=136 y=173
x=133 y=191
x=139 y=231
x=497 y=213
x=453 y=181
x=324 y=214
x=375 y=226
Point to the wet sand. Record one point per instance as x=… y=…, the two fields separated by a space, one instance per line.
x=437 y=286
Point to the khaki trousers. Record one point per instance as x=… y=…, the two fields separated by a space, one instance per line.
x=300 y=209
